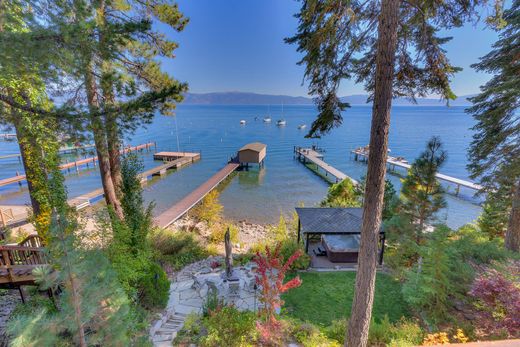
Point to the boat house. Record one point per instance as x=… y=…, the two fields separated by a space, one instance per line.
x=252 y=153
x=332 y=235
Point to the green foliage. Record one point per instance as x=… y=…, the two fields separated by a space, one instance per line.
x=209 y=209
x=428 y=285
x=327 y=296
x=280 y=231
x=342 y=194
x=177 y=248
x=212 y=304
x=309 y=335
x=288 y=247
x=154 y=287
x=129 y=250
x=219 y=230
x=493 y=153
x=399 y=334
x=229 y=327
x=92 y=300
x=494 y=217
x=421 y=192
x=446 y=268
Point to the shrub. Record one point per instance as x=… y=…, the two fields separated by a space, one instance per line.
x=498 y=298
x=401 y=333
x=177 y=248
x=308 y=335
x=272 y=270
x=342 y=194
x=288 y=248
x=229 y=327
x=154 y=287
x=212 y=304
x=210 y=209
x=219 y=230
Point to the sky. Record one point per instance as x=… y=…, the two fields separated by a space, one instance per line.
x=237 y=45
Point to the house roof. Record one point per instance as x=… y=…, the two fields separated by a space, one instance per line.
x=327 y=220
x=255 y=146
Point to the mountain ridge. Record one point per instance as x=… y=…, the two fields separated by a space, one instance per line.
x=246 y=98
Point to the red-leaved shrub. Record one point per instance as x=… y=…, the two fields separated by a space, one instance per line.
x=498 y=295
x=271 y=275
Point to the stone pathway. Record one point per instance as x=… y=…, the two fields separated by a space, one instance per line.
x=189 y=291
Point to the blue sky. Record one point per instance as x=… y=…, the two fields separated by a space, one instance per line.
x=237 y=45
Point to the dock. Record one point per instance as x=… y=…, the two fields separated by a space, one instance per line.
x=76 y=164
x=16 y=213
x=172 y=160
x=394 y=162
x=7 y=136
x=185 y=204
x=309 y=155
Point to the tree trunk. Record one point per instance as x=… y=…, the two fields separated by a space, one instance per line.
x=23 y=152
x=512 y=239
x=101 y=146
x=114 y=148
x=357 y=333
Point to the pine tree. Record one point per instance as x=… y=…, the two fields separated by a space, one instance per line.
x=421 y=192
x=495 y=150
x=393 y=47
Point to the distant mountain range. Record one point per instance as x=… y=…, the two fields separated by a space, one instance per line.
x=241 y=98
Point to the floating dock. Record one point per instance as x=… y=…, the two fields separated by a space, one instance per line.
x=76 y=164
x=394 y=162
x=308 y=155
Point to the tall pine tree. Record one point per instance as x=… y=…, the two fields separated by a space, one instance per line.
x=495 y=150
x=421 y=192
x=393 y=47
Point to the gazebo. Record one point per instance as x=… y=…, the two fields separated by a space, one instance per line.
x=340 y=231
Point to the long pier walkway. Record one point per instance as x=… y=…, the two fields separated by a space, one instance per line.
x=400 y=162
x=309 y=155
x=76 y=164
x=184 y=205
x=16 y=214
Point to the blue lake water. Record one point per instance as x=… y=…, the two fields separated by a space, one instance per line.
x=261 y=195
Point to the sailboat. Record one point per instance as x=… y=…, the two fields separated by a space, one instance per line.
x=281 y=122
x=267 y=119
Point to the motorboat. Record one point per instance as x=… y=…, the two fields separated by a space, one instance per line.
x=302 y=126
x=242 y=122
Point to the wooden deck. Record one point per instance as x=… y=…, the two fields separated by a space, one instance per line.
x=76 y=164
x=308 y=155
x=184 y=205
x=168 y=156
x=396 y=162
x=17 y=262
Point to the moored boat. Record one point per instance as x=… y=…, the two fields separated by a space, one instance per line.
x=281 y=122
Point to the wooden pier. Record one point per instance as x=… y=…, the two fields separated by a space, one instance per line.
x=7 y=136
x=308 y=155
x=15 y=214
x=172 y=160
x=394 y=162
x=76 y=164
x=184 y=205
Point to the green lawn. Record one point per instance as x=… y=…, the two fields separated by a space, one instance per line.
x=327 y=296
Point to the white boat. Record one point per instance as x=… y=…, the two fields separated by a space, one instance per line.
x=242 y=122
x=281 y=122
x=267 y=119
x=302 y=126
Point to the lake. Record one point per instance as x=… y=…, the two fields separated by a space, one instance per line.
x=261 y=195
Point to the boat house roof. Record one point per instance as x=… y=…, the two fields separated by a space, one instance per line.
x=330 y=220
x=255 y=146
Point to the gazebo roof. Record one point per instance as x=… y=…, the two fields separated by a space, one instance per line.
x=330 y=220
